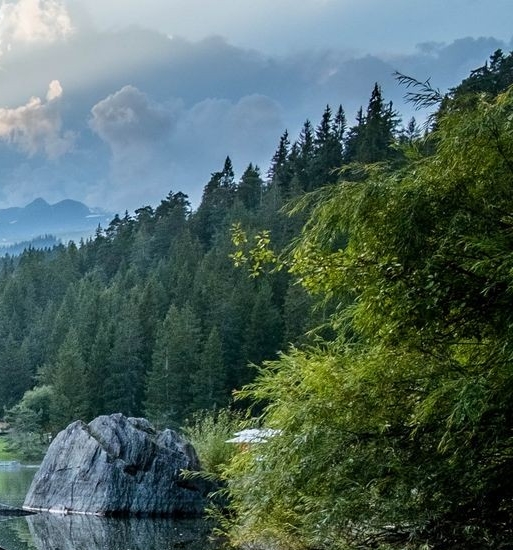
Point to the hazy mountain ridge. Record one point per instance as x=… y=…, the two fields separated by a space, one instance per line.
x=66 y=220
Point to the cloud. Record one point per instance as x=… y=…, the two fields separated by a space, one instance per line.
x=32 y=22
x=36 y=127
x=136 y=130
x=151 y=113
x=54 y=90
x=155 y=146
x=246 y=130
x=371 y=26
x=129 y=119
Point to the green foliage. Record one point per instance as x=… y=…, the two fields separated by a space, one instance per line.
x=259 y=257
x=396 y=274
x=30 y=420
x=5 y=452
x=176 y=358
x=403 y=424
x=372 y=139
x=210 y=379
x=68 y=382
x=209 y=431
x=27 y=446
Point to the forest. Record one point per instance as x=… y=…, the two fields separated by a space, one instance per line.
x=356 y=297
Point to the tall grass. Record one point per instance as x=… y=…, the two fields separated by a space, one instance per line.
x=208 y=431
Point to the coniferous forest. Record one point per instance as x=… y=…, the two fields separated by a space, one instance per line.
x=361 y=306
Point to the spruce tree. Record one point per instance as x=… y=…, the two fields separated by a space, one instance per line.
x=372 y=138
x=176 y=359
x=124 y=383
x=250 y=188
x=209 y=381
x=69 y=383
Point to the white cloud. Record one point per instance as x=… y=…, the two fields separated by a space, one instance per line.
x=136 y=129
x=189 y=105
x=246 y=130
x=54 y=90
x=157 y=146
x=36 y=127
x=129 y=119
x=33 y=22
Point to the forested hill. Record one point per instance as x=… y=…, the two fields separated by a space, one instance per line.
x=397 y=414
x=151 y=316
x=398 y=432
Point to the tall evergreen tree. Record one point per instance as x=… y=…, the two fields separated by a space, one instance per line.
x=97 y=370
x=327 y=149
x=218 y=197
x=209 y=381
x=280 y=174
x=16 y=375
x=69 y=383
x=124 y=383
x=176 y=359
x=264 y=330
x=372 y=139
x=250 y=188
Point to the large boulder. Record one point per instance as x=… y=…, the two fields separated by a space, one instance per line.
x=117 y=466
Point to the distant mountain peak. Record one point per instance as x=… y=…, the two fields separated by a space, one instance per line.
x=67 y=219
x=37 y=203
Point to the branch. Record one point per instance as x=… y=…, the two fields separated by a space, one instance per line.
x=424 y=96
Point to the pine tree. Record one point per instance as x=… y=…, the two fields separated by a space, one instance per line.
x=69 y=383
x=209 y=381
x=250 y=188
x=123 y=387
x=218 y=197
x=171 y=220
x=15 y=372
x=372 y=138
x=97 y=370
x=264 y=330
x=176 y=359
x=280 y=174
x=327 y=149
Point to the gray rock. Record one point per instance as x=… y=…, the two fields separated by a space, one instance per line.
x=117 y=466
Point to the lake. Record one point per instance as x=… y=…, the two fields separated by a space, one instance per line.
x=79 y=532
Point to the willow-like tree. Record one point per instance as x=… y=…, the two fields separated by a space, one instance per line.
x=404 y=419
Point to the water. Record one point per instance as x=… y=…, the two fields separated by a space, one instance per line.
x=14 y=482
x=76 y=532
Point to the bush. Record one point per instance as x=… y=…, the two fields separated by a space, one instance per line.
x=208 y=431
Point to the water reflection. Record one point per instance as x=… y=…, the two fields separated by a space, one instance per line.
x=14 y=483
x=75 y=532
x=15 y=534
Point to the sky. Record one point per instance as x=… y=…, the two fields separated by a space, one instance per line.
x=117 y=103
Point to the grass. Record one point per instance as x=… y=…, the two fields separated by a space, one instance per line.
x=4 y=453
x=208 y=432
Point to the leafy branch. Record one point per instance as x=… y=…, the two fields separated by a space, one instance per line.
x=423 y=95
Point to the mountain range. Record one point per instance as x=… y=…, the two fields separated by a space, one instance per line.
x=65 y=220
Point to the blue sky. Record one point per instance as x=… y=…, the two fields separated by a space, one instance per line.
x=116 y=103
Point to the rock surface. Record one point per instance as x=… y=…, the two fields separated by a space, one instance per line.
x=117 y=466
